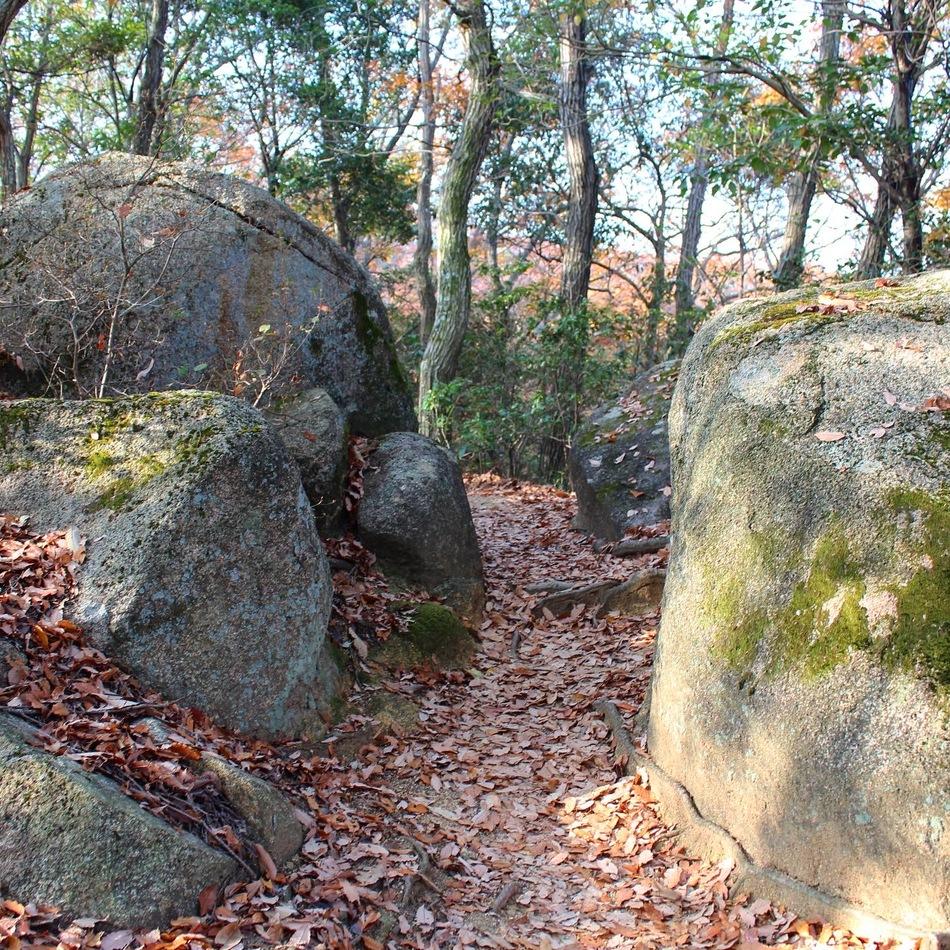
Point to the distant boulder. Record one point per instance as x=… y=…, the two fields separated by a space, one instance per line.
x=802 y=680
x=414 y=516
x=126 y=274
x=619 y=463
x=204 y=573
x=315 y=432
x=74 y=840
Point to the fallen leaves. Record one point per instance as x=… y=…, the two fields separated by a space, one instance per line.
x=829 y=304
x=829 y=436
x=508 y=787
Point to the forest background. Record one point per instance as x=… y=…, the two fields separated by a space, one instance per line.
x=551 y=194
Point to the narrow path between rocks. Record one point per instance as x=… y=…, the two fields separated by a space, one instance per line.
x=523 y=826
x=497 y=817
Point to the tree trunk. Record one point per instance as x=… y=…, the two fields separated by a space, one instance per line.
x=423 y=255
x=341 y=216
x=440 y=360
x=802 y=188
x=791 y=263
x=150 y=88
x=879 y=231
x=8 y=154
x=579 y=153
x=8 y=11
x=684 y=300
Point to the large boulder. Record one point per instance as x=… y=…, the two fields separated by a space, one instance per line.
x=204 y=573
x=414 y=516
x=74 y=840
x=314 y=429
x=802 y=676
x=619 y=463
x=127 y=274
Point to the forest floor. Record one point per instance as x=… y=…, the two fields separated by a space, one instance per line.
x=501 y=819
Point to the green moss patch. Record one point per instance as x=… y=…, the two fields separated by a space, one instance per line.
x=14 y=417
x=824 y=620
x=900 y=298
x=920 y=641
x=434 y=636
x=820 y=625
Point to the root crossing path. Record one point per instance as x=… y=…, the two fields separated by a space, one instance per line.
x=515 y=825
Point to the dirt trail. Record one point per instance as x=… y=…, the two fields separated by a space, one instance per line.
x=534 y=837
x=499 y=818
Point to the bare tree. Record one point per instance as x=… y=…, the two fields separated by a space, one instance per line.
x=453 y=303
x=423 y=253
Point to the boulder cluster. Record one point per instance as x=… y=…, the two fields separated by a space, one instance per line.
x=246 y=349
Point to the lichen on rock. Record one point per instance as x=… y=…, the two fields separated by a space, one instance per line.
x=204 y=574
x=802 y=670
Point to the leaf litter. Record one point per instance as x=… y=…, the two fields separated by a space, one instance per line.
x=503 y=820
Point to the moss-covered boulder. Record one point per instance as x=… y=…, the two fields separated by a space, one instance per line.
x=802 y=676
x=314 y=429
x=415 y=517
x=619 y=463
x=74 y=840
x=126 y=274
x=204 y=574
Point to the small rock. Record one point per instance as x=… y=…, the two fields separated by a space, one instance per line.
x=73 y=839
x=619 y=463
x=315 y=432
x=415 y=517
x=269 y=816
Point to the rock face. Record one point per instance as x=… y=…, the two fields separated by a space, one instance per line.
x=619 y=463
x=204 y=574
x=414 y=516
x=315 y=432
x=229 y=290
x=803 y=664
x=74 y=840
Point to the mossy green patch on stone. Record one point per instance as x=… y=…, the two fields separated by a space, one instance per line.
x=920 y=641
x=117 y=495
x=824 y=620
x=820 y=625
x=774 y=318
x=98 y=463
x=393 y=712
x=371 y=337
x=15 y=417
x=434 y=635
x=727 y=604
x=899 y=299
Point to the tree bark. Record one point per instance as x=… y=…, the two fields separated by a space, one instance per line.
x=423 y=255
x=803 y=185
x=908 y=45
x=684 y=300
x=576 y=72
x=8 y=11
x=8 y=154
x=150 y=88
x=453 y=302
x=879 y=230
